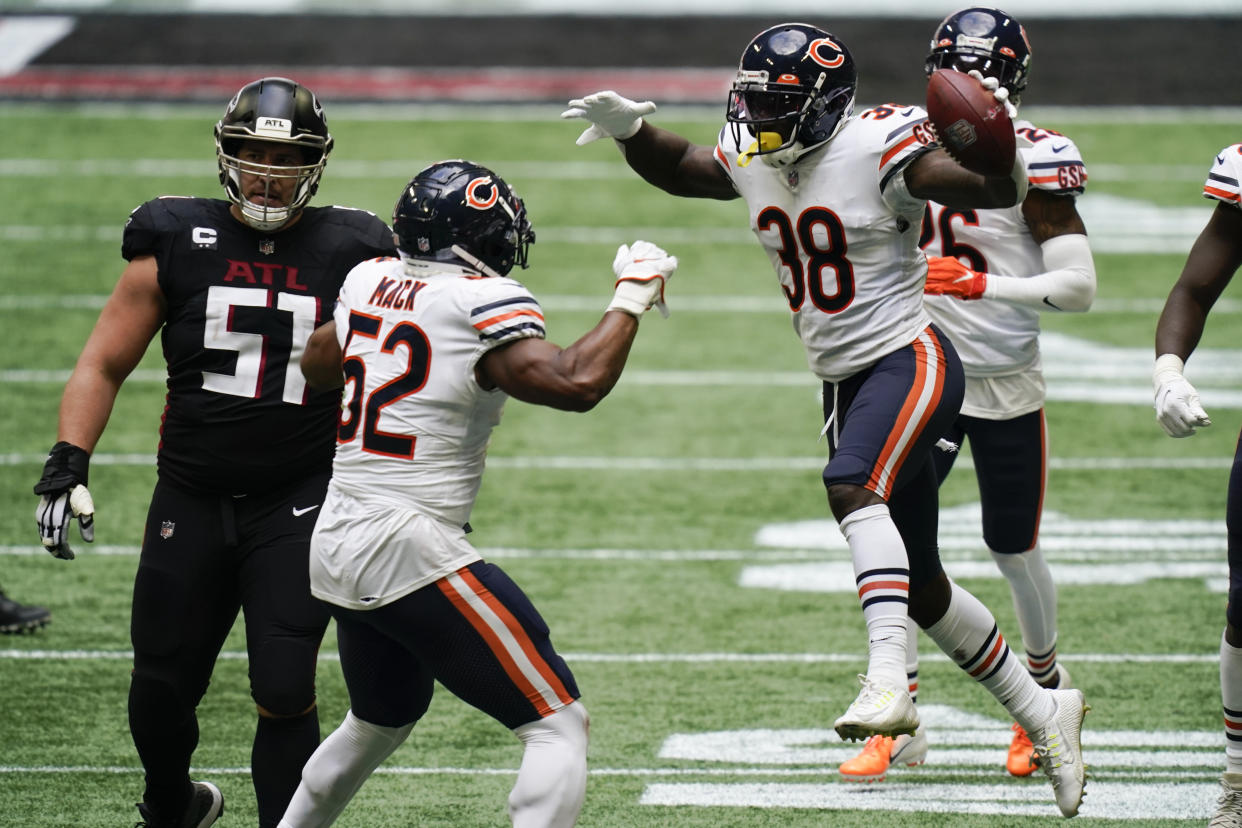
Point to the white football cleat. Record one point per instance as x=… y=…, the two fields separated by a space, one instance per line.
x=1059 y=745
x=910 y=750
x=1229 y=806
x=886 y=710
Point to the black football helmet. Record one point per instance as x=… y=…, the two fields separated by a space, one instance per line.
x=985 y=39
x=793 y=91
x=462 y=214
x=281 y=111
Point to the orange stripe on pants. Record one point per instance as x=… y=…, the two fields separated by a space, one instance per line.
x=904 y=435
x=498 y=647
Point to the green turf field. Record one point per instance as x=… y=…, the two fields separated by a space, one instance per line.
x=677 y=538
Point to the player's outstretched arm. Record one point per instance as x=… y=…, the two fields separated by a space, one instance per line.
x=663 y=158
x=578 y=377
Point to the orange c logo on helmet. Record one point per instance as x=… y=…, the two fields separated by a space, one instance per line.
x=487 y=200
x=813 y=52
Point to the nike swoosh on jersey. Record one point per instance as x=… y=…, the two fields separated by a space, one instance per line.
x=299 y=512
x=907 y=113
x=1220 y=159
x=1049 y=304
x=1058 y=149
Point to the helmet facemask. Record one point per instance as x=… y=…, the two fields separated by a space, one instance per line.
x=266 y=216
x=498 y=249
x=279 y=113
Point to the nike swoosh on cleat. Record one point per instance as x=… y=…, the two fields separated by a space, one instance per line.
x=1049 y=304
x=299 y=512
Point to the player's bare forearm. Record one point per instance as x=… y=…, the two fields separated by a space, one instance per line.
x=126 y=326
x=937 y=177
x=85 y=407
x=675 y=165
x=1214 y=258
x=571 y=379
x=321 y=361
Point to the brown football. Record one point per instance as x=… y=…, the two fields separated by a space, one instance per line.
x=973 y=126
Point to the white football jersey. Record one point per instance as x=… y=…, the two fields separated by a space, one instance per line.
x=842 y=237
x=415 y=425
x=997 y=339
x=1223 y=181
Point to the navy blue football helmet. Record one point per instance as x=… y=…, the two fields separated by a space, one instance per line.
x=985 y=39
x=460 y=213
x=280 y=111
x=793 y=91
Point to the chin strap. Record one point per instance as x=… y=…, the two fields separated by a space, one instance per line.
x=472 y=260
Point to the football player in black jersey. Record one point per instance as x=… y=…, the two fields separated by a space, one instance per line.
x=234 y=288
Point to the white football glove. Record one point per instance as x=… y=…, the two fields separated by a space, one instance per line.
x=1178 y=409
x=999 y=92
x=54 y=513
x=610 y=115
x=642 y=270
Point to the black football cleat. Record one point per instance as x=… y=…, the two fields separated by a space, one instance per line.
x=206 y=806
x=20 y=618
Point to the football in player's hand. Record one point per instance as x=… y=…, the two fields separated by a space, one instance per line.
x=973 y=126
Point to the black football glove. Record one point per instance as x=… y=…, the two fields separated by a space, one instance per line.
x=62 y=496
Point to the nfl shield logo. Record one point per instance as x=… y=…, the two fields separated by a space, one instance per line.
x=267 y=247
x=424 y=245
x=166 y=529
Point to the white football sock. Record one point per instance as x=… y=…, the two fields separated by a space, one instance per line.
x=337 y=769
x=882 y=574
x=1231 y=701
x=968 y=634
x=551 y=783
x=1035 y=602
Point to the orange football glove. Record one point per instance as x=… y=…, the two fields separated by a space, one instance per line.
x=947 y=276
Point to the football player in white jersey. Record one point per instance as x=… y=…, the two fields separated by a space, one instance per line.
x=1214 y=259
x=1040 y=245
x=428 y=347
x=836 y=200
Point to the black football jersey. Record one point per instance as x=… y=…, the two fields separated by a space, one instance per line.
x=241 y=303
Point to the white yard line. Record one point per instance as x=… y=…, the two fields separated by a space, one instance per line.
x=663 y=658
x=705 y=464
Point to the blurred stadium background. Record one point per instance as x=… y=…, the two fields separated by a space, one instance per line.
x=1090 y=53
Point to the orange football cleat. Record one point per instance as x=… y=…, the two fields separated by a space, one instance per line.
x=871 y=764
x=1022 y=759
